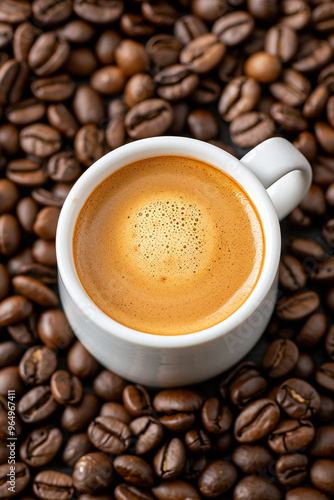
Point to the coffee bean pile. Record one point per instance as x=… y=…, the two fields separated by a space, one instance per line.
x=79 y=78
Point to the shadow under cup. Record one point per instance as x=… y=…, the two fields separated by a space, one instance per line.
x=167 y=360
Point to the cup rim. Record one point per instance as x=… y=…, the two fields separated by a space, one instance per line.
x=146 y=148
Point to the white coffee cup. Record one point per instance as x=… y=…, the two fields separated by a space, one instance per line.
x=276 y=177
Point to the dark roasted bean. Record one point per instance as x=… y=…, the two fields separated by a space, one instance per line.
x=93 y=473
x=217 y=478
x=255 y=487
x=170 y=459
x=280 y=358
x=66 y=388
x=41 y=446
x=75 y=447
x=109 y=386
x=256 y=421
x=249 y=129
x=134 y=470
x=53 y=484
x=148 y=433
x=252 y=458
x=76 y=418
x=291 y=435
x=22 y=473
x=325 y=376
x=234 y=27
x=322 y=474
x=37 y=405
x=298 y=306
x=298 y=398
x=176 y=489
x=175 y=82
x=109 y=434
x=37 y=365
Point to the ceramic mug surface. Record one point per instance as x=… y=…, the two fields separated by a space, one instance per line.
x=275 y=176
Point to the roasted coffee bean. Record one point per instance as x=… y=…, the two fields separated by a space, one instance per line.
x=197 y=441
x=45 y=224
x=312 y=331
x=328 y=232
x=66 y=388
x=305 y=367
x=9 y=195
x=329 y=343
x=48 y=54
x=194 y=466
x=64 y=167
x=202 y=124
x=48 y=12
x=176 y=82
x=255 y=487
x=14 y=264
x=93 y=473
x=81 y=62
x=305 y=248
x=298 y=306
x=13 y=79
x=202 y=54
x=323 y=171
x=10 y=353
x=292 y=276
x=54 y=330
x=176 y=489
x=291 y=435
x=297 y=14
x=148 y=433
x=9 y=139
x=108 y=80
x=126 y=491
x=297 y=216
x=292 y=89
x=44 y=274
x=280 y=358
x=159 y=13
x=26 y=172
x=249 y=129
x=54 y=88
x=177 y=400
x=25 y=112
x=263 y=67
x=324 y=134
x=323 y=443
x=75 y=447
x=10 y=379
x=256 y=420
x=216 y=416
x=289 y=118
x=244 y=391
x=4 y=282
x=149 y=118
x=76 y=418
x=314 y=203
x=10 y=234
x=291 y=470
x=188 y=28
x=88 y=105
x=37 y=405
x=109 y=434
x=24 y=37
x=24 y=332
x=170 y=459
x=323 y=273
x=281 y=41
x=89 y=144
x=252 y=458
x=53 y=484
x=35 y=291
x=234 y=27
x=109 y=386
x=298 y=398
x=62 y=119
x=137 y=400
x=41 y=446
x=53 y=198
x=242 y=371
x=116 y=410
x=81 y=363
x=163 y=49
x=37 y=365
x=131 y=57
x=325 y=376
x=322 y=475
x=139 y=88
x=239 y=96
x=98 y=11
x=115 y=133
x=134 y=470
x=209 y=12
x=136 y=26
x=217 y=478
x=22 y=473
x=207 y=91
x=312 y=56
x=40 y=140
x=305 y=494
x=14 y=309
x=316 y=102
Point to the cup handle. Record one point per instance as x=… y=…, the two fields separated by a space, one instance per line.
x=283 y=170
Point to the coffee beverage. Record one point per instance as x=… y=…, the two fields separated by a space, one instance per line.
x=168 y=245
